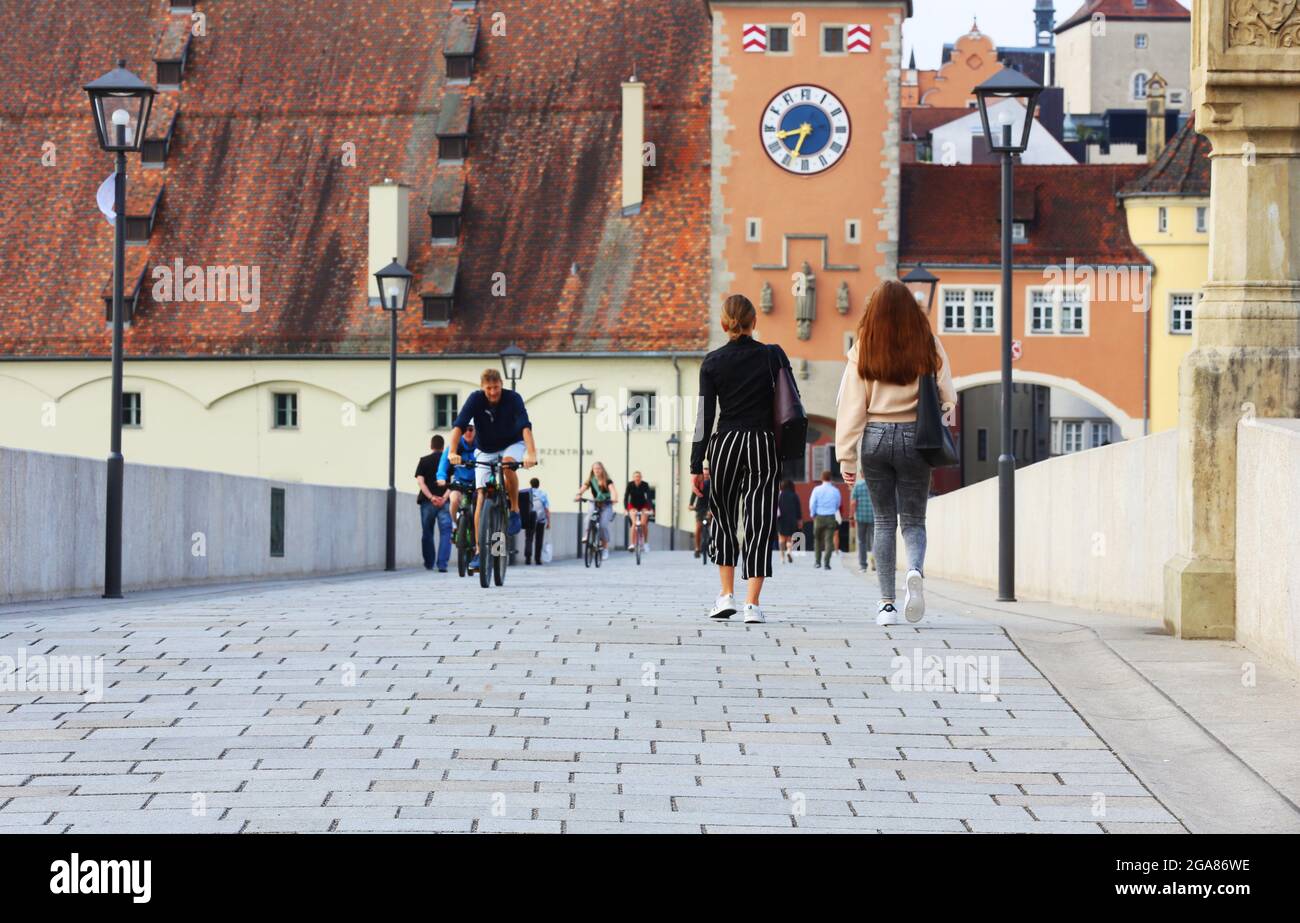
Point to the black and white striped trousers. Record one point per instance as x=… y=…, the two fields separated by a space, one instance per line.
x=743 y=466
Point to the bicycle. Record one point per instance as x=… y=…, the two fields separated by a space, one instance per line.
x=463 y=529
x=591 y=550
x=640 y=530
x=492 y=545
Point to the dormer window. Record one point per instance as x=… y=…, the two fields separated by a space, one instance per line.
x=446 y=203
x=171 y=53
x=453 y=127
x=438 y=294
x=143 y=197
x=459 y=47
x=133 y=277
x=158 y=136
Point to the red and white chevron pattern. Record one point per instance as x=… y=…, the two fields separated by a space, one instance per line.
x=859 y=38
x=754 y=37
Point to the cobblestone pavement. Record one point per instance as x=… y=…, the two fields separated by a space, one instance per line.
x=570 y=700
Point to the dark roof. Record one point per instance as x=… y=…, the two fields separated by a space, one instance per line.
x=1182 y=169
x=256 y=176
x=1126 y=9
x=919 y=121
x=950 y=215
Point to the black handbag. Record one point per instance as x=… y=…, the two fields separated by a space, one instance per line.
x=934 y=441
x=789 y=421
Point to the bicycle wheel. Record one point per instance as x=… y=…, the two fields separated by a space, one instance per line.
x=464 y=547
x=636 y=540
x=485 y=547
x=499 y=524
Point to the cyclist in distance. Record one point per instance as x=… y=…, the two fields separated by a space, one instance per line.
x=636 y=498
x=462 y=475
x=605 y=495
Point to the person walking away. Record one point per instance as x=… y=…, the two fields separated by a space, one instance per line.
x=699 y=505
x=432 y=499
x=824 y=504
x=738 y=383
x=864 y=521
x=876 y=427
x=636 y=500
x=535 y=535
x=789 y=519
x=605 y=495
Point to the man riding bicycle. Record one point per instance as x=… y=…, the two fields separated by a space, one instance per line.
x=503 y=433
x=462 y=475
x=639 y=506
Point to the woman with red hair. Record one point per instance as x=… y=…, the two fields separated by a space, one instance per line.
x=876 y=424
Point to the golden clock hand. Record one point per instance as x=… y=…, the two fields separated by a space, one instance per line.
x=804 y=131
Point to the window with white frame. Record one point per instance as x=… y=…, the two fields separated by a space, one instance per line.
x=1162 y=219
x=1202 y=219
x=1073 y=303
x=1071 y=436
x=983 y=310
x=1099 y=434
x=1019 y=233
x=132 y=410
x=832 y=40
x=1140 y=86
x=1180 y=312
x=1058 y=311
x=1040 y=311
x=954 y=310
x=445 y=408
x=1140 y=40
x=284 y=408
x=753 y=230
x=853 y=231
x=643 y=404
x=778 y=39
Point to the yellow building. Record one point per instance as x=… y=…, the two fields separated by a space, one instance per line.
x=1168 y=210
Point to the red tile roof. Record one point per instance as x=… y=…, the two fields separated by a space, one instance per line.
x=275 y=93
x=950 y=215
x=1127 y=9
x=1182 y=169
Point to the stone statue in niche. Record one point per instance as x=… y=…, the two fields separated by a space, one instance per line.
x=765 y=298
x=842 y=298
x=805 y=301
x=1264 y=23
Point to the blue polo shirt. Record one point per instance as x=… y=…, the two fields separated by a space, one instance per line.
x=495 y=428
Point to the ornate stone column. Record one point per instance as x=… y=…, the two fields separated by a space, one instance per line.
x=1246 y=348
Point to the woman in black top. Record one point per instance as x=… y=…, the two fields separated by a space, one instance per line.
x=741 y=378
x=789 y=517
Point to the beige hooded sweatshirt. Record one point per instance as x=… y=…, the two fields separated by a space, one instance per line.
x=862 y=402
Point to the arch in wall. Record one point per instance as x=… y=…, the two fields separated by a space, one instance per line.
x=1129 y=427
x=132 y=376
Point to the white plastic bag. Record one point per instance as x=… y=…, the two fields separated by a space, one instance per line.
x=546 y=553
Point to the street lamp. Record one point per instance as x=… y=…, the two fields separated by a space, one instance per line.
x=627 y=415
x=120 y=103
x=512 y=363
x=1015 y=97
x=394 y=282
x=674 y=444
x=581 y=404
x=923 y=283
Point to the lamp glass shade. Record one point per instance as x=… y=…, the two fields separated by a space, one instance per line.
x=512 y=362
x=1007 y=100
x=673 y=445
x=394 y=282
x=922 y=283
x=120 y=103
x=581 y=399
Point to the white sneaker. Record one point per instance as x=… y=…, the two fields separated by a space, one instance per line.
x=724 y=607
x=886 y=615
x=604 y=554
x=914 y=601
x=754 y=614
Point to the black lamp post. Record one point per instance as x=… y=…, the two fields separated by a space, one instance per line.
x=120 y=102
x=1018 y=97
x=512 y=363
x=628 y=414
x=674 y=444
x=394 y=282
x=581 y=404
x=923 y=283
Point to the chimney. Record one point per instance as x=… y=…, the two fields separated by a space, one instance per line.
x=1155 y=116
x=389 y=228
x=633 y=141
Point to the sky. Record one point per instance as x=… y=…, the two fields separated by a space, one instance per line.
x=1007 y=22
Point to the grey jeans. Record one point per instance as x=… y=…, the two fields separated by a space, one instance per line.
x=898 y=479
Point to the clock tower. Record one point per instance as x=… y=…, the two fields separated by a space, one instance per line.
x=805 y=173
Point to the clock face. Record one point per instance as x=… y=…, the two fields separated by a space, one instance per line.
x=805 y=129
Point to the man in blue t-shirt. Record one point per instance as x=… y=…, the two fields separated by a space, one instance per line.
x=502 y=432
